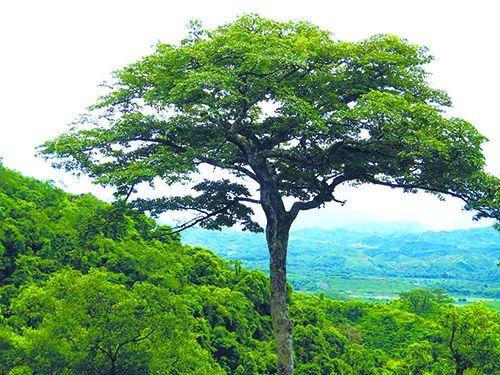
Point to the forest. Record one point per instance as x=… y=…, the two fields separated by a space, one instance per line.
x=87 y=287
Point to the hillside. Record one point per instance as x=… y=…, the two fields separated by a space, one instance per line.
x=92 y=288
x=464 y=262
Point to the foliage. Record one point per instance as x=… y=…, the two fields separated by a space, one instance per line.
x=472 y=335
x=282 y=105
x=88 y=287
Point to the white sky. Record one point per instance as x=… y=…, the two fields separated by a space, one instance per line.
x=53 y=54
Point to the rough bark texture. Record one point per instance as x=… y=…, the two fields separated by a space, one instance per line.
x=113 y=367
x=279 y=221
x=277 y=239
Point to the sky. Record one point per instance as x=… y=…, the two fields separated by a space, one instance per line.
x=54 y=54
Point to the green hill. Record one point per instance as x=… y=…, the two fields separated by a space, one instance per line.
x=92 y=288
x=373 y=263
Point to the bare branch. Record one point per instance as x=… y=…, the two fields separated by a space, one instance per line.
x=130 y=191
x=324 y=196
x=414 y=186
x=135 y=339
x=396 y=185
x=249 y=200
x=207 y=215
x=197 y=220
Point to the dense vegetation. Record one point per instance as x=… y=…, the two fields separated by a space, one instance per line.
x=463 y=262
x=92 y=288
x=282 y=112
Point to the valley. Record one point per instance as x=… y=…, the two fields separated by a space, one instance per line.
x=376 y=264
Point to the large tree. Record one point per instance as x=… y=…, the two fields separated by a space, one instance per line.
x=284 y=114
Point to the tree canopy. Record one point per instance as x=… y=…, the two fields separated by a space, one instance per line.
x=281 y=103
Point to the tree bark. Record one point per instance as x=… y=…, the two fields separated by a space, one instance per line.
x=279 y=221
x=460 y=367
x=113 y=367
x=277 y=241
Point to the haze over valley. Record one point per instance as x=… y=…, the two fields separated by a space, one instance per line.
x=373 y=260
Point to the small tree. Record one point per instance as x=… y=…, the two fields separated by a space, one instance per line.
x=472 y=334
x=284 y=111
x=424 y=301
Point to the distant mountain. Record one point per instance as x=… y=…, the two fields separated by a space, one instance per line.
x=464 y=259
x=377 y=227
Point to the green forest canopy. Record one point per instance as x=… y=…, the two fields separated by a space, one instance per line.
x=88 y=287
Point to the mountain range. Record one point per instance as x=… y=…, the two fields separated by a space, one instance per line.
x=464 y=262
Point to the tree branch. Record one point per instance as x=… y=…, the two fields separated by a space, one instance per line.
x=414 y=186
x=326 y=195
x=462 y=197
x=249 y=200
x=180 y=149
x=207 y=215
x=130 y=191
x=132 y=340
x=191 y=223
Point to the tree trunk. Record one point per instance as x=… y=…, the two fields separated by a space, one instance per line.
x=113 y=367
x=460 y=367
x=277 y=241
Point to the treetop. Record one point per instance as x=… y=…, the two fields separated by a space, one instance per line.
x=286 y=106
